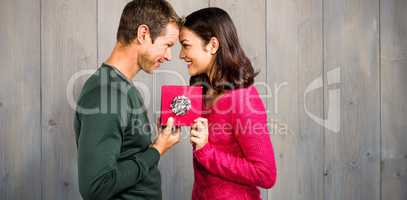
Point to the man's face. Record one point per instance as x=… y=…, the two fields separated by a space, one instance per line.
x=159 y=51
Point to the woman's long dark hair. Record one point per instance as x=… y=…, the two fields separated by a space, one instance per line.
x=233 y=68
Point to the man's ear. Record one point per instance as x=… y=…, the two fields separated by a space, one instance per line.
x=213 y=45
x=143 y=34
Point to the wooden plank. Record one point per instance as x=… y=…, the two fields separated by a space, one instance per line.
x=283 y=75
x=176 y=165
x=393 y=27
x=69 y=45
x=294 y=60
x=20 y=125
x=109 y=13
x=351 y=55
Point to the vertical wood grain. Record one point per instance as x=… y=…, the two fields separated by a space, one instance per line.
x=20 y=130
x=69 y=45
x=294 y=59
x=352 y=155
x=393 y=29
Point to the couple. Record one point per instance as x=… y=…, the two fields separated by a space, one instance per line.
x=232 y=151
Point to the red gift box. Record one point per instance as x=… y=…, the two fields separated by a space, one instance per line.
x=183 y=103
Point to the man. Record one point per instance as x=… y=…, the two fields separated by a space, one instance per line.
x=116 y=159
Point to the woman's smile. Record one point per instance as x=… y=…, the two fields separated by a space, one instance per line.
x=188 y=62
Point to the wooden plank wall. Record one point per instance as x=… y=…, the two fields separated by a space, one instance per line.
x=393 y=75
x=69 y=45
x=294 y=60
x=20 y=100
x=332 y=74
x=351 y=54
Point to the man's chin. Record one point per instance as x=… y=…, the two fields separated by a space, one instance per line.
x=148 y=71
x=151 y=69
x=155 y=67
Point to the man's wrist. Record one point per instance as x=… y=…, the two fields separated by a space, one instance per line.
x=158 y=148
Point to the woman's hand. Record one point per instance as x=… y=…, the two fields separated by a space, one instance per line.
x=199 y=133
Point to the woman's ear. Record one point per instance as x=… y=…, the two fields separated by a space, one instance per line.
x=143 y=34
x=213 y=45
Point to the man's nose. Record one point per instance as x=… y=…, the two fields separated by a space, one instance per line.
x=168 y=55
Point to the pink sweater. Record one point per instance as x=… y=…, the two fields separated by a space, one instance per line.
x=239 y=156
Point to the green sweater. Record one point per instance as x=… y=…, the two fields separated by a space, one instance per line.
x=113 y=135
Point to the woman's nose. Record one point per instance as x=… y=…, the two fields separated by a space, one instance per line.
x=181 y=54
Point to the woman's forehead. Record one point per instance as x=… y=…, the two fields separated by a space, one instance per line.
x=187 y=34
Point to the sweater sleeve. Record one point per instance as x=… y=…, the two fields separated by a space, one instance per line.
x=101 y=174
x=257 y=167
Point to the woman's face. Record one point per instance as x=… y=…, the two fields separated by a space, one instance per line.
x=195 y=52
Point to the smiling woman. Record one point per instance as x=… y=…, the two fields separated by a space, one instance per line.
x=211 y=48
x=232 y=147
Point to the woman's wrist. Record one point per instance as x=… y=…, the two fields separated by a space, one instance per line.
x=197 y=147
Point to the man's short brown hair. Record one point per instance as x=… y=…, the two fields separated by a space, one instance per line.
x=156 y=14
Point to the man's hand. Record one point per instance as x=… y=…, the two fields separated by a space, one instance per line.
x=166 y=137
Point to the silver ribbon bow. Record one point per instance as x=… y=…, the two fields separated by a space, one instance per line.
x=180 y=105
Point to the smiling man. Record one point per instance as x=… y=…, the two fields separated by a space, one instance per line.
x=116 y=158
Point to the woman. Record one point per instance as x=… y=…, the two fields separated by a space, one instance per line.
x=233 y=154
